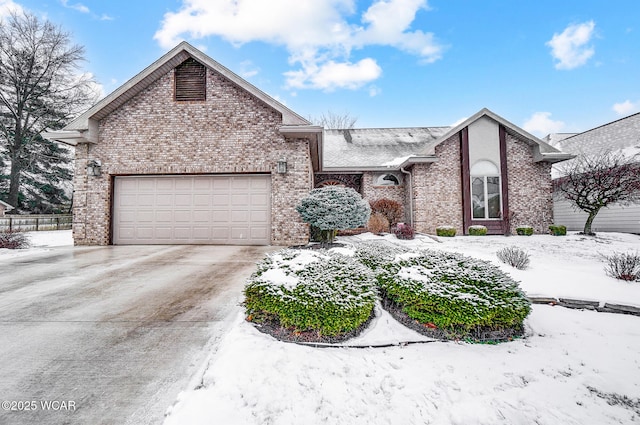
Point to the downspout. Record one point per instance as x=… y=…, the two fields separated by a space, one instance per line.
x=410 y=195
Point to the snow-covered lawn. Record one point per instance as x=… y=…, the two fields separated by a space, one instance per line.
x=573 y=367
x=40 y=242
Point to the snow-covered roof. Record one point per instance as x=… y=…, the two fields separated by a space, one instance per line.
x=370 y=148
x=6 y=206
x=620 y=135
x=380 y=148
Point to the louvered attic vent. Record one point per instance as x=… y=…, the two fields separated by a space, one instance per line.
x=190 y=81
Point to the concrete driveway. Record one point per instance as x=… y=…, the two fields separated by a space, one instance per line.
x=111 y=335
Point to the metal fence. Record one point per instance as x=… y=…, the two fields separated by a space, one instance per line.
x=29 y=223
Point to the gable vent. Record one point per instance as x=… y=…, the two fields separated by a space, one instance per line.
x=190 y=81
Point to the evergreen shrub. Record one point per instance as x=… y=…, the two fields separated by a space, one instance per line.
x=304 y=290
x=455 y=296
x=477 y=230
x=558 y=230
x=446 y=231
x=524 y=230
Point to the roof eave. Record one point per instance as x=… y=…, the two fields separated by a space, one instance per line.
x=552 y=157
x=71 y=138
x=315 y=135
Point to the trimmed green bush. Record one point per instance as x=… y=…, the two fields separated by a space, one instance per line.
x=375 y=254
x=524 y=230
x=477 y=230
x=446 y=231
x=458 y=296
x=306 y=290
x=558 y=230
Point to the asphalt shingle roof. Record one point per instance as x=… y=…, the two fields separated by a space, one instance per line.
x=377 y=147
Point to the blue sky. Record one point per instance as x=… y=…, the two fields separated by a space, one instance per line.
x=547 y=66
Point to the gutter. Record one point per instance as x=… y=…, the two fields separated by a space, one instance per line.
x=410 y=179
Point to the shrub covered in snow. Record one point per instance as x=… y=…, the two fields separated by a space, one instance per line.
x=514 y=256
x=14 y=240
x=524 y=230
x=558 y=230
x=623 y=266
x=375 y=254
x=477 y=230
x=334 y=208
x=446 y=231
x=455 y=296
x=306 y=290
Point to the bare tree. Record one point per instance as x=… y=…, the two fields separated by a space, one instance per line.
x=40 y=87
x=335 y=121
x=593 y=182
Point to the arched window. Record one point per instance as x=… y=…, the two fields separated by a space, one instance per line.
x=486 y=201
x=387 y=179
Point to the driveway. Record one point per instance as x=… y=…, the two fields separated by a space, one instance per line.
x=111 y=335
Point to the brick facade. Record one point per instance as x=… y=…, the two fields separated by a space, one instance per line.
x=230 y=132
x=530 y=187
x=437 y=189
x=371 y=192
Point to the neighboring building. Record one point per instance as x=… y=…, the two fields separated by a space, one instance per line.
x=4 y=207
x=187 y=152
x=620 y=135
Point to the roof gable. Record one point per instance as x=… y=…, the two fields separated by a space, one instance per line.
x=163 y=65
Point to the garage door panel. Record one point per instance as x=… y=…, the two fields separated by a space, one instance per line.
x=232 y=209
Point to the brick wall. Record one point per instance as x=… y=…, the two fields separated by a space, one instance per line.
x=231 y=132
x=530 y=187
x=437 y=189
x=371 y=192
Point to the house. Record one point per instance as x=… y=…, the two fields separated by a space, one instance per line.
x=4 y=207
x=620 y=135
x=187 y=152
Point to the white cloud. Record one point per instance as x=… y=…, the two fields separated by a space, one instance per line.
x=333 y=75
x=374 y=91
x=541 y=124
x=7 y=6
x=319 y=35
x=570 y=48
x=77 y=6
x=626 y=108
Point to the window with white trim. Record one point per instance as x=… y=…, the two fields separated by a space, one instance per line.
x=486 y=199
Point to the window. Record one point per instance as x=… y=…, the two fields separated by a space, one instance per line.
x=190 y=81
x=387 y=179
x=486 y=201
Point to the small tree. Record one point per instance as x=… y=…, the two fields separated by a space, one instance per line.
x=591 y=183
x=334 y=208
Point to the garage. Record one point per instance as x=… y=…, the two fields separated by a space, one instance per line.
x=201 y=209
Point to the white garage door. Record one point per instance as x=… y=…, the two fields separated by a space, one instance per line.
x=229 y=210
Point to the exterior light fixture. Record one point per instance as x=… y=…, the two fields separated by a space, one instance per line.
x=282 y=166
x=93 y=167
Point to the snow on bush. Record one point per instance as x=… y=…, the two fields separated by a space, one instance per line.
x=375 y=254
x=14 y=240
x=477 y=230
x=460 y=297
x=334 y=208
x=445 y=231
x=623 y=266
x=514 y=256
x=524 y=230
x=305 y=290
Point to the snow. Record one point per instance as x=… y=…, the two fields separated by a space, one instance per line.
x=40 y=242
x=573 y=367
